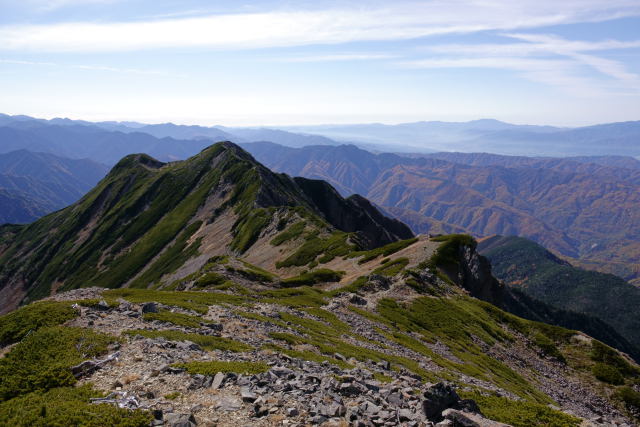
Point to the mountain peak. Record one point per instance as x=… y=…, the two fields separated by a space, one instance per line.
x=146 y=213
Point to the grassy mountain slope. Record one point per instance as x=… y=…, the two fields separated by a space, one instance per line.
x=536 y=272
x=146 y=219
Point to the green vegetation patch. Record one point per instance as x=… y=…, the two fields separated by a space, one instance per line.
x=213 y=367
x=303 y=296
x=385 y=250
x=455 y=322
x=172 y=258
x=41 y=361
x=382 y=377
x=447 y=254
x=391 y=268
x=291 y=233
x=253 y=272
x=196 y=301
x=628 y=396
x=209 y=279
x=179 y=319
x=207 y=342
x=321 y=275
x=327 y=338
x=68 y=406
x=248 y=228
x=17 y=324
x=336 y=244
x=608 y=356
x=261 y=318
x=607 y=373
x=520 y=413
x=350 y=288
x=548 y=346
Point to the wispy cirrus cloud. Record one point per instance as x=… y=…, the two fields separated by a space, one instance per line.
x=50 y=5
x=402 y=20
x=542 y=58
x=82 y=67
x=339 y=57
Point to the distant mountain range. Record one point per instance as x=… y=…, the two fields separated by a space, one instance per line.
x=108 y=142
x=486 y=135
x=34 y=184
x=581 y=207
x=490 y=136
x=587 y=211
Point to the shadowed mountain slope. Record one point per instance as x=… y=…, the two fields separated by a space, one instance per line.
x=586 y=211
x=534 y=271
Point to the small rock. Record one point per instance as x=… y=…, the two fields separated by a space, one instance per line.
x=466 y=419
x=372 y=409
x=292 y=412
x=85 y=368
x=247 y=395
x=197 y=382
x=405 y=415
x=214 y=326
x=281 y=371
x=150 y=307
x=350 y=389
x=228 y=404
x=438 y=398
x=157 y=414
x=260 y=411
x=179 y=420
x=188 y=345
x=318 y=419
x=103 y=306
x=217 y=381
x=357 y=300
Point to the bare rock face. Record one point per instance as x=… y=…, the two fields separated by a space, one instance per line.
x=442 y=397
x=354 y=214
x=473 y=273
x=457 y=418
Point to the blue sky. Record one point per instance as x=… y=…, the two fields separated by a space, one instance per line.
x=570 y=62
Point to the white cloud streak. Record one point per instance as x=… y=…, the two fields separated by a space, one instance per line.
x=404 y=20
x=542 y=58
x=339 y=57
x=82 y=67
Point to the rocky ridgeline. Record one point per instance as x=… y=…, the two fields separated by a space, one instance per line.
x=292 y=392
x=295 y=392
x=146 y=372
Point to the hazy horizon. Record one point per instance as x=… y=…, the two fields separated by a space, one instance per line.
x=283 y=63
x=300 y=125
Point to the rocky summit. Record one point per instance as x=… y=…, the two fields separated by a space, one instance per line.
x=214 y=292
